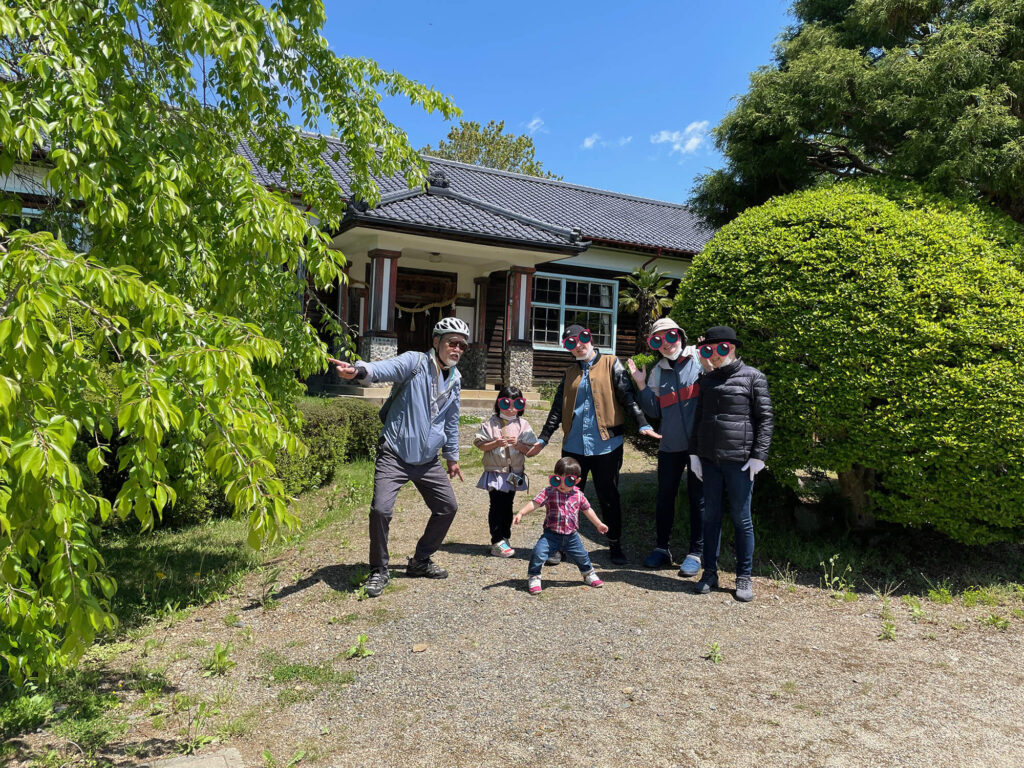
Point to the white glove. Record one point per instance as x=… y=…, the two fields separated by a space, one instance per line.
x=696 y=468
x=754 y=465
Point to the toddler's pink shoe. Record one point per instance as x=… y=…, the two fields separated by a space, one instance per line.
x=591 y=579
x=533 y=585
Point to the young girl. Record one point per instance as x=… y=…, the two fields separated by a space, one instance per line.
x=563 y=502
x=504 y=438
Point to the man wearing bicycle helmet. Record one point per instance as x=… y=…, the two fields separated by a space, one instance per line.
x=421 y=417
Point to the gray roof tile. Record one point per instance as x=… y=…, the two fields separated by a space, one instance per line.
x=519 y=207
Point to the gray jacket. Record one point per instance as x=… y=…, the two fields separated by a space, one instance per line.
x=424 y=416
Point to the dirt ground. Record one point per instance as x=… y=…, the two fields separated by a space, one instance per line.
x=473 y=671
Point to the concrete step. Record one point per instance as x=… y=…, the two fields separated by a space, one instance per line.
x=471 y=398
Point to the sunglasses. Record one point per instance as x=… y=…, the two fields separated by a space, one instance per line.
x=507 y=403
x=556 y=480
x=453 y=343
x=722 y=348
x=571 y=342
x=655 y=341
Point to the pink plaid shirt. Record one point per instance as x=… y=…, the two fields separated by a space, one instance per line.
x=563 y=509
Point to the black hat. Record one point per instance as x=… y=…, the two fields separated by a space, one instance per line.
x=718 y=333
x=573 y=330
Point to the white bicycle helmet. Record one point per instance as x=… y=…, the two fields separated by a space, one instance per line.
x=451 y=325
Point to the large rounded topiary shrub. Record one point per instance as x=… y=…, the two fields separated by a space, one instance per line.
x=890 y=324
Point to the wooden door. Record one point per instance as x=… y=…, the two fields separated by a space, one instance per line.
x=418 y=289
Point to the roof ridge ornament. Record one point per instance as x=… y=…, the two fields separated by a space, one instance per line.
x=437 y=178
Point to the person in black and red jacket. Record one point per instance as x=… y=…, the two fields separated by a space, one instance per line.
x=732 y=433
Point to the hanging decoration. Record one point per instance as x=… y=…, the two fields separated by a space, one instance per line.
x=425 y=308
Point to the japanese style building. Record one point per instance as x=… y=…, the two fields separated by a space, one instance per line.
x=517 y=257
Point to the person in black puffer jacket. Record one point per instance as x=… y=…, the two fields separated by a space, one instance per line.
x=732 y=432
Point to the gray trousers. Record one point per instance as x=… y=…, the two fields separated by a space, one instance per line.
x=390 y=474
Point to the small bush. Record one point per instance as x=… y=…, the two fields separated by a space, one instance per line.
x=646 y=359
x=334 y=430
x=546 y=388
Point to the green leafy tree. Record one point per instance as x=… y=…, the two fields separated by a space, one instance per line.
x=490 y=146
x=188 y=334
x=647 y=296
x=927 y=90
x=890 y=325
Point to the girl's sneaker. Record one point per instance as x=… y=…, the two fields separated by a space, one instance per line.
x=591 y=579
x=533 y=585
x=502 y=549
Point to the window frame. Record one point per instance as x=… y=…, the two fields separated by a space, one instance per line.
x=562 y=307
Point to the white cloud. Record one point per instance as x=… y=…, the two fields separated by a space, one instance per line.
x=684 y=142
x=595 y=140
x=534 y=126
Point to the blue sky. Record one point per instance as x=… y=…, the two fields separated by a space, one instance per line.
x=616 y=95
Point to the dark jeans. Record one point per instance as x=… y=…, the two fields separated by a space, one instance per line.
x=570 y=543
x=390 y=474
x=671 y=467
x=606 y=481
x=727 y=477
x=499 y=516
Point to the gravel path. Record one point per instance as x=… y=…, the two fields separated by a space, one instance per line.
x=472 y=671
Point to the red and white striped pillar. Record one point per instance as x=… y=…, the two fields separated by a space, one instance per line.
x=383 y=284
x=520 y=302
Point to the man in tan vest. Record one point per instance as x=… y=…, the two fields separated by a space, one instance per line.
x=590 y=404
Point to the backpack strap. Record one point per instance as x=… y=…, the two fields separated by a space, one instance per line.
x=399 y=388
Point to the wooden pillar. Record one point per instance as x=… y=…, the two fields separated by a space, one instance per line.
x=520 y=302
x=480 y=315
x=383 y=285
x=344 y=301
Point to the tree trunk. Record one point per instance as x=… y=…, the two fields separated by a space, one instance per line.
x=855 y=484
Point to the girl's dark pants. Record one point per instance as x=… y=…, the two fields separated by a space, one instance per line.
x=499 y=516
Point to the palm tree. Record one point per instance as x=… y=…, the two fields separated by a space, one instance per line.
x=647 y=296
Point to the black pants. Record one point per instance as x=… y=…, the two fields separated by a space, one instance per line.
x=499 y=516
x=671 y=467
x=606 y=481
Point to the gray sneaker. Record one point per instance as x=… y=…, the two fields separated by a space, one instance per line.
x=427 y=569
x=707 y=582
x=744 y=589
x=379 y=579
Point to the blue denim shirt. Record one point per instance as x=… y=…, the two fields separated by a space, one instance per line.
x=424 y=417
x=584 y=438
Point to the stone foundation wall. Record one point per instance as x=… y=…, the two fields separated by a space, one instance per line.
x=373 y=348
x=473 y=367
x=517 y=365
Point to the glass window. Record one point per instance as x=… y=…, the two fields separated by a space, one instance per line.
x=561 y=301
x=546 y=329
x=547 y=291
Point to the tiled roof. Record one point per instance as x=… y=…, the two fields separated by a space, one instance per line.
x=464 y=217
x=516 y=207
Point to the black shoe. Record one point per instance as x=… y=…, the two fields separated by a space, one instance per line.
x=707 y=582
x=615 y=553
x=428 y=569
x=376 y=583
x=554 y=558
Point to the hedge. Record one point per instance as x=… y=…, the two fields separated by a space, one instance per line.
x=334 y=429
x=890 y=325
